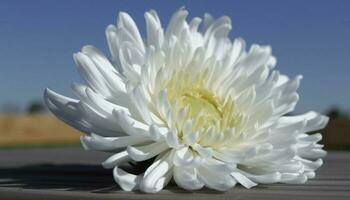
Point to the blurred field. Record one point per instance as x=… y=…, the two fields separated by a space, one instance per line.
x=46 y=130
x=35 y=130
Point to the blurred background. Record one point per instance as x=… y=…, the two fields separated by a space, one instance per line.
x=38 y=38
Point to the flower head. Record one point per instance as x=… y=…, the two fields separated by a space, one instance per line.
x=209 y=112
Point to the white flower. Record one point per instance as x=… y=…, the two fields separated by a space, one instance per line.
x=206 y=110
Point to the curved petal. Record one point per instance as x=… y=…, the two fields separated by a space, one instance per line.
x=96 y=142
x=91 y=74
x=126 y=181
x=67 y=110
x=130 y=125
x=243 y=180
x=155 y=35
x=216 y=180
x=125 y=22
x=185 y=157
x=263 y=178
x=145 y=152
x=187 y=178
x=116 y=160
x=157 y=176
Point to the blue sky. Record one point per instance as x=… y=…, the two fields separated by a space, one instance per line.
x=38 y=38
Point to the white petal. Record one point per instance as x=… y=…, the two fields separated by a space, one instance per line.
x=185 y=157
x=263 y=178
x=246 y=182
x=216 y=180
x=229 y=156
x=140 y=103
x=127 y=23
x=187 y=178
x=314 y=121
x=111 y=76
x=96 y=142
x=311 y=165
x=116 y=160
x=67 y=110
x=154 y=30
x=158 y=175
x=156 y=133
x=177 y=23
x=111 y=35
x=126 y=181
x=172 y=140
x=293 y=178
x=91 y=74
x=130 y=125
x=312 y=151
x=257 y=56
x=104 y=124
x=145 y=152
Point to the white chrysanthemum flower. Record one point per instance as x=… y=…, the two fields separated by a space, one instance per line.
x=206 y=110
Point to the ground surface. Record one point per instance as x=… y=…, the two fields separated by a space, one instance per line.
x=72 y=173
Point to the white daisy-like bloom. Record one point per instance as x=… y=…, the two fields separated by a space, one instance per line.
x=207 y=111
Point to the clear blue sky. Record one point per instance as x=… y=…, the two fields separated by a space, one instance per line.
x=38 y=38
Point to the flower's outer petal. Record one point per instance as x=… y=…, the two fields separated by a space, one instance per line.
x=229 y=156
x=81 y=116
x=126 y=181
x=311 y=165
x=140 y=102
x=96 y=142
x=275 y=156
x=145 y=152
x=215 y=38
x=112 y=41
x=67 y=110
x=158 y=174
x=129 y=125
x=242 y=179
x=314 y=121
x=185 y=157
x=155 y=35
x=309 y=138
x=293 y=178
x=97 y=110
x=216 y=180
x=311 y=151
x=131 y=60
x=95 y=100
x=125 y=22
x=187 y=178
x=113 y=79
x=258 y=56
x=177 y=23
x=264 y=178
x=116 y=160
x=104 y=124
x=237 y=49
x=208 y=19
x=91 y=74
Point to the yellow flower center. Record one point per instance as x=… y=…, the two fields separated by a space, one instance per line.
x=202 y=103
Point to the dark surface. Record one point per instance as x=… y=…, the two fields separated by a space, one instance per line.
x=72 y=173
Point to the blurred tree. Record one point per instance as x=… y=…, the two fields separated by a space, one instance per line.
x=35 y=107
x=336 y=113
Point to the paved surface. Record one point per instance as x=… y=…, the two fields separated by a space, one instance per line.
x=72 y=173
